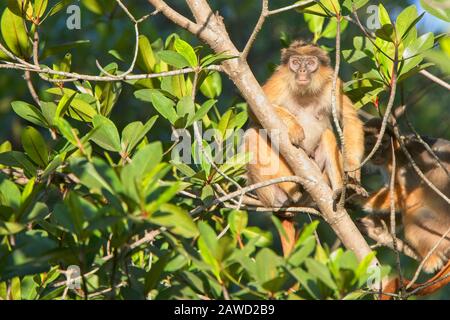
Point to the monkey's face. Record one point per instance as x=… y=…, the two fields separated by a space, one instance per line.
x=304 y=67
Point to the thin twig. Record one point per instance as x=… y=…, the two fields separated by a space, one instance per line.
x=258 y=26
x=307 y=210
x=392 y=218
x=435 y=79
x=76 y=76
x=291 y=7
x=31 y=88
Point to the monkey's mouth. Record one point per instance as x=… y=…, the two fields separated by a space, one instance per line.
x=303 y=82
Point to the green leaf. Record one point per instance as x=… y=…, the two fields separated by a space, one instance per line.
x=49 y=111
x=10 y=228
x=357 y=4
x=331 y=28
x=211 y=87
x=35 y=146
x=203 y=111
x=81 y=109
x=413 y=54
x=386 y=32
x=163 y=105
x=107 y=93
x=215 y=59
x=208 y=247
x=67 y=131
x=106 y=135
x=64 y=104
x=185 y=49
x=96 y=175
x=176 y=220
x=266 y=269
x=307 y=281
x=29 y=113
x=134 y=132
x=147 y=158
x=264 y=238
x=14 y=33
x=185 y=110
x=173 y=58
x=307 y=232
x=146 y=58
x=438 y=8
x=9 y=193
x=72 y=214
x=18 y=160
x=237 y=220
x=321 y=272
x=405 y=19
x=305 y=250
x=315 y=23
x=207 y=194
x=32 y=255
x=383 y=15
x=183 y=168
x=39 y=7
x=224 y=123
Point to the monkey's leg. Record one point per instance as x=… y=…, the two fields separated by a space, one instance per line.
x=266 y=164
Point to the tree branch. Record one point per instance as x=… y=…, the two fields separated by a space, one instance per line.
x=435 y=79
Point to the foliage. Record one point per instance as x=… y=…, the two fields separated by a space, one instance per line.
x=116 y=201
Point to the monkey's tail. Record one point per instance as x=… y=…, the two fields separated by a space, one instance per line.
x=289 y=238
x=438 y=281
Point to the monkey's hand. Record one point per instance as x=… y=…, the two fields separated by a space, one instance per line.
x=296 y=134
x=359 y=189
x=295 y=130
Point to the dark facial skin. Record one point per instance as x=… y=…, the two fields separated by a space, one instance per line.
x=303 y=67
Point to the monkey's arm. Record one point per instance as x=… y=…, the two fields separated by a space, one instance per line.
x=353 y=136
x=295 y=130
